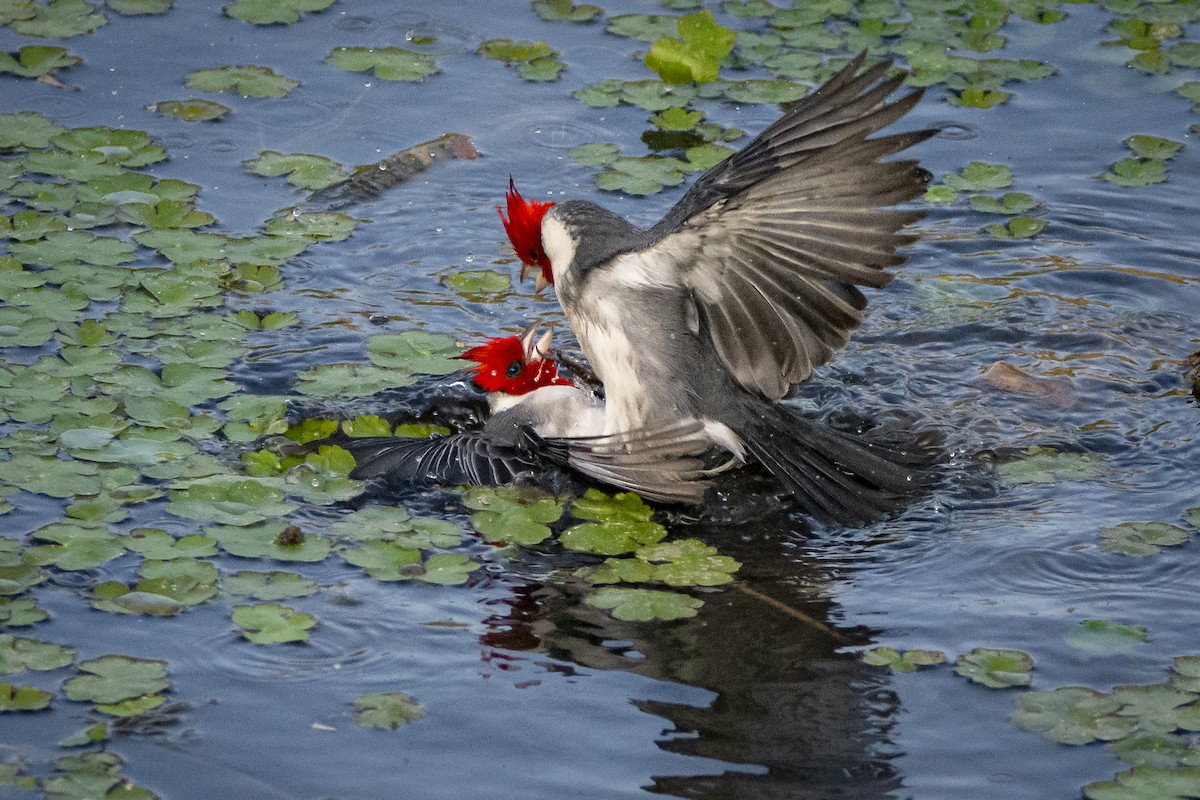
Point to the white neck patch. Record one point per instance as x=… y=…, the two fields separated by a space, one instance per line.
x=558 y=245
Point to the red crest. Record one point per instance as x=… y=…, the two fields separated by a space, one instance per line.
x=524 y=228
x=504 y=365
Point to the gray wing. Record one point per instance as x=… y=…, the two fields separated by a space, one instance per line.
x=471 y=457
x=662 y=464
x=778 y=238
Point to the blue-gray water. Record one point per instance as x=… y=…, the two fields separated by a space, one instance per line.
x=533 y=694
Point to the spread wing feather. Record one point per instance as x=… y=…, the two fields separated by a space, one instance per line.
x=792 y=225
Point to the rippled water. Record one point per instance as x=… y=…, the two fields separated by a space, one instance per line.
x=531 y=694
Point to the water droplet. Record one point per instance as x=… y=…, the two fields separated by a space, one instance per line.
x=469 y=258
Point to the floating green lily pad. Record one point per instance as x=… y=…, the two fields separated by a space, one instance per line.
x=1154 y=147
x=1186 y=673
x=77 y=545
x=277 y=540
x=229 y=501
x=387 y=63
x=20 y=612
x=1016 y=228
x=478 y=281
x=1136 y=172
x=1159 y=708
x=273 y=12
x=302 y=170
x=132 y=8
x=366 y=425
x=34 y=61
x=694 y=57
x=58 y=19
x=688 y=562
x=23 y=698
x=113 y=678
x=273 y=585
x=26 y=130
x=447 y=569
x=641 y=176
x=387 y=711
x=1010 y=203
x=566 y=11
x=979 y=176
x=248 y=81
x=647 y=27
x=940 y=194
x=92 y=734
x=1072 y=715
x=535 y=61
x=394 y=524
x=271 y=623
x=385 y=560
x=902 y=661
x=415 y=351
x=975 y=97
x=1147 y=782
x=317 y=226
x=622 y=524
x=996 y=669
x=595 y=154
x=194 y=110
x=1102 y=637
x=350 y=380
x=511 y=516
x=18 y=654
x=1046 y=465
x=1141 y=538
x=644 y=605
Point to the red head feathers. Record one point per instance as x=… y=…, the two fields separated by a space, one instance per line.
x=524 y=228
x=514 y=366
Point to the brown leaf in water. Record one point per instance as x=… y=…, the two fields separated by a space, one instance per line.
x=1007 y=378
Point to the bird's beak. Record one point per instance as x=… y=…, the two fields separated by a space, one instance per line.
x=540 y=282
x=542 y=348
x=525 y=270
x=527 y=341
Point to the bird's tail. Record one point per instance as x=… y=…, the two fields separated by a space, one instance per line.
x=835 y=477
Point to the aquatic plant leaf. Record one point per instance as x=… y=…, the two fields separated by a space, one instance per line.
x=415 y=351
x=595 y=154
x=902 y=661
x=185 y=246
x=18 y=654
x=23 y=698
x=612 y=537
x=26 y=130
x=273 y=585
x=92 y=734
x=273 y=12
x=317 y=226
x=277 y=540
x=706 y=156
x=1046 y=465
x=513 y=52
x=1141 y=538
x=229 y=500
x=350 y=380
x=1186 y=675
x=59 y=19
x=78 y=545
x=157 y=544
x=1072 y=715
x=302 y=170
x=541 y=69
x=619 y=570
x=507 y=515
x=311 y=429
x=388 y=710
x=128 y=708
x=21 y=328
x=132 y=8
x=565 y=11
x=447 y=569
x=248 y=81
x=641 y=176
x=1016 y=228
x=940 y=194
x=387 y=63
x=1154 y=147
x=19 y=578
x=34 y=61
x=271 y=623
x=979 y=176
x=1102 y=637
x=1146 y=782
x=1160 y=708
x=688 y=562
x=1136 y=172
x=975 y=97
x=60 y=247
x=113 y=678
x=646 y=27
x=420 y=430
x=677 y=119
x=605 y=94
x=996 y=669
x=20 y=612
x=622 y=506
x=193 y=110
x=478 y=281
x=50 y=476
x=694 y=57
x=644 y=605
x=385 y=561
x=120 y=146
x=1155 y=750
x=1188 y=89
x=1010 y=203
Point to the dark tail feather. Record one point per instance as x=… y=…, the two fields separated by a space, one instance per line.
x=835 y=477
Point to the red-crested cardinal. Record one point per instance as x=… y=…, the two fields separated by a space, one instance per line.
x=538 y=419
x=748 y=283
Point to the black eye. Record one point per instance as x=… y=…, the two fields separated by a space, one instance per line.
x=514 y=369
x=533 y=254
